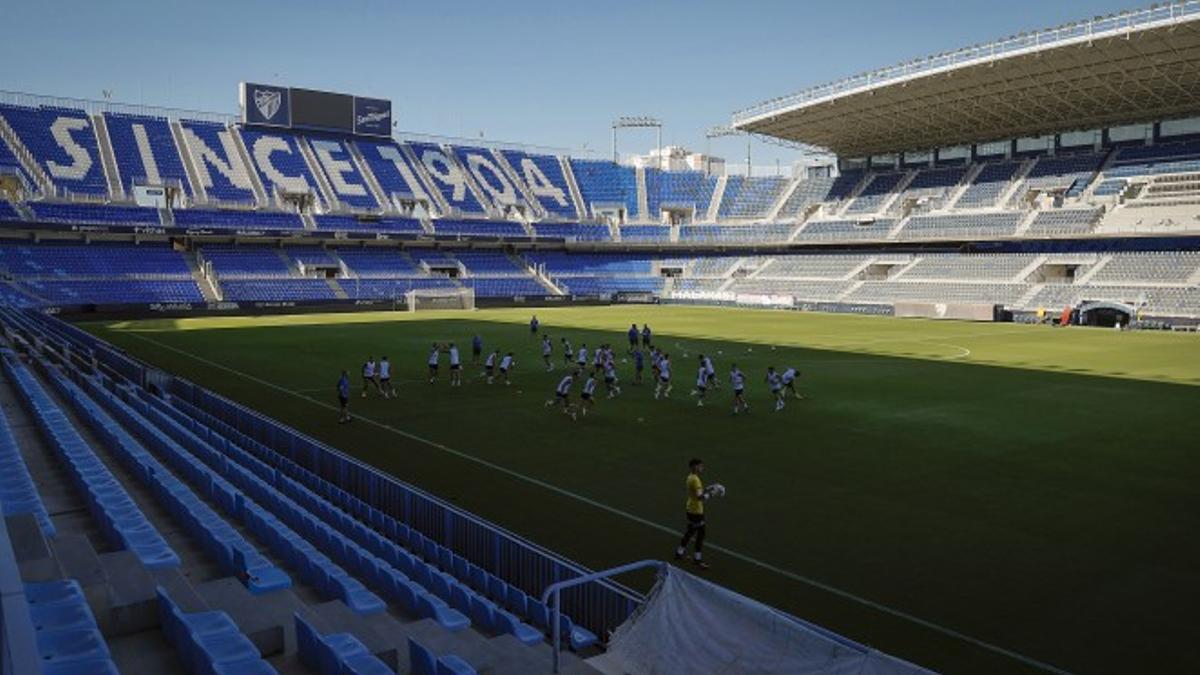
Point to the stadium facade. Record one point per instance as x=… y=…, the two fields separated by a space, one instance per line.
x=956 y=195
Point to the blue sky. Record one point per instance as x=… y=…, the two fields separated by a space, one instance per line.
x=548 y=73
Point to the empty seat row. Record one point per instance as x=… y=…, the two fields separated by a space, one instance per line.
x=68 y=639
x=443 y=570
x=335 y=653
x=18 y=494
x=119 y=517
x=234 y=554
x=209 y=642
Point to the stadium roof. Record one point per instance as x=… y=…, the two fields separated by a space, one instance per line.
x=1137 y=66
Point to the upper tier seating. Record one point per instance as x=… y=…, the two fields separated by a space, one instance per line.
x=543 y=175
x=79 y=173
x=479 y=228
x=497 y=187
x=145 y=152
x=488 y=263
x=447 y=178
x=281 y=166
x=268 y=290
x=222 y=174
x=876 y=193
x=1064 y=221
x=10 y=165
x=1159 y=267
x=342 y=172
x=810 y=191
x=930 y=188
x=750 y=197
x=992 y=181
x=813 y=266
x=683 y=189
x=645 y=233
x=735 y=233
x=1070 y=173
x=605 y=183
x=245 y=262
x=391 y=168
x=968 y=267
x=354 y=224
x=387 y=263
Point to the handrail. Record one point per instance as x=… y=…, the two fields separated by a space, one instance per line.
x=1086 y=30
x=557 y=587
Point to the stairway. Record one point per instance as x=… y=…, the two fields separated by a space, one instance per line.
x=314 y=167
x=207 y=284
x=260 y=192
x=31 y=165
x=773 y=213
x=643 y=198
x=897 y=191
x=714 y=204
x=510 y=171
x=1026 y=222
x=108 y=159
x=435 y=194
x=1018 y=180
x=581 y=209
x=964 y=185
x=373 y=185
x=337 y=289
x=181 y=146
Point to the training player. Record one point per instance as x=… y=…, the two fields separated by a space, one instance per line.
x=343 y=394
x=664 y=377
x=646 y=335
x=562 y=394
x=588 y=395
x=598 y=359
x=435 y=356
x=476 y=348
x=639 y=363
x=547 y=351
x=506 y=364
x=737 y=379
x=489 y=366
x=789 y=382
x=696 y=496
x=533 y=326
x=610 y=377
x=633 y=337
x=655 y=360
x=776 y=383
x=568 y=353
x=581 y=357
x=368 y=376
x=701 y=384
x=455 y=367
x=385 y=378
x=711 y=371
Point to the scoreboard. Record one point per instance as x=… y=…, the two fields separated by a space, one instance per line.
x=308 y=109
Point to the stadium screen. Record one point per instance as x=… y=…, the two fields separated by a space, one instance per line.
x=322 y=110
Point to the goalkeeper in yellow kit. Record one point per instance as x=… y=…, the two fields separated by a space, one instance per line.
x=697 y=494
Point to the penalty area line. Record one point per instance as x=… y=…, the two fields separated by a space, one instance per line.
x=808 y=581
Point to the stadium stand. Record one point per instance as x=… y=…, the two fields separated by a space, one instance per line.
x=342 y=173
x=230 y=219
x=281 y=166
x=543 y=176
x=605 y=184
x=989 y=185
x=219 y=169
x=750 y=197
x=447 y=178
x=144 y=150
x=683 y=189
x=73 y=173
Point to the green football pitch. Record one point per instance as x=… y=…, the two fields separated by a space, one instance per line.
x=972 y=497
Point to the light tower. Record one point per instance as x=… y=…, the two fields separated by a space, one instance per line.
x=627 y=122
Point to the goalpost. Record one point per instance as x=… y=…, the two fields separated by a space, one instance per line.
x=421 y=299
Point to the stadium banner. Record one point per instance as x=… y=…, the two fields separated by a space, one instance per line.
x=845 y=308
x=945 y=310
x=634 y=298
x=372 y=117
x=265 y=104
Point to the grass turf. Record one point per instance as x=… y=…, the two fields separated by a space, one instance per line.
x=1031 y=487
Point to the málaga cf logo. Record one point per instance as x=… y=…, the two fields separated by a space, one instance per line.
x=267 y=101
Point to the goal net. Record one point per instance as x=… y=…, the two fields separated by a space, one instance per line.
x=421 y=299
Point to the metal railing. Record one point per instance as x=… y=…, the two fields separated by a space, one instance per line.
x=1082 y=31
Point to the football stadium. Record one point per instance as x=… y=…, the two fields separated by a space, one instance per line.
x=288 y=389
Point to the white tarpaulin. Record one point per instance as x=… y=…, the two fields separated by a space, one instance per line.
x=689 y=625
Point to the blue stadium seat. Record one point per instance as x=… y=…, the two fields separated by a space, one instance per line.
x=424 y=662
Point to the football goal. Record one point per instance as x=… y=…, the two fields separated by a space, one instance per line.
x=421 y=299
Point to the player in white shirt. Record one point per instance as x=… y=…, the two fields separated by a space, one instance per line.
x=562 y=394
x=581 y=356
x=737 y=379
x=789 y=382
x=610 y=378
x=701 y=384
x=711 y=371
x=385 y=378
x=547 y=351
x=598 y=359
x=663 y=388
x=506 y=364
x=435 y=355
x=489 y=365
x=588 y=395
x=776 y=383
x=455 y=367
x=368 y=376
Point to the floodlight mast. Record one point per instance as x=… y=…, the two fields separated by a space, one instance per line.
x=721 y=132
x=637 y=122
